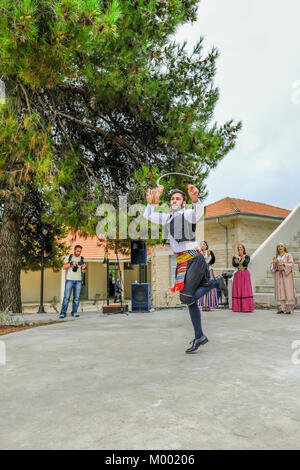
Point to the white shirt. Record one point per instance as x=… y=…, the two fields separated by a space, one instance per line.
x=71 y=276
x=191 y=215
x=207 y=259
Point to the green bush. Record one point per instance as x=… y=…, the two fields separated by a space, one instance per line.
x=7 y=318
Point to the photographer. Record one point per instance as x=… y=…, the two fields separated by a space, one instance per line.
x=74 y=265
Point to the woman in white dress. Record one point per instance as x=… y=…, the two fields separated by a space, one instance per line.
x=282 y=266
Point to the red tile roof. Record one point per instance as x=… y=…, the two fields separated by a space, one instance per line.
x=230 y=205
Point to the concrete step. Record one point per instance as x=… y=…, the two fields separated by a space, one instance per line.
x=269 y=281
x=266 y=299
x=261 y=289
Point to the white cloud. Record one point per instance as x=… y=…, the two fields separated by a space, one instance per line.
x=256 y=71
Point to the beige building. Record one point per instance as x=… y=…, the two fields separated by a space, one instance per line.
x=226 y=223
x=94 y=285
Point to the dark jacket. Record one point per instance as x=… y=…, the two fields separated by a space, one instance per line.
x=244 y=263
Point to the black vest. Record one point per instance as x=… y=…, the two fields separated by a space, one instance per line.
x=180 y=229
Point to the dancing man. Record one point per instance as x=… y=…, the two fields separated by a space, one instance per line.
x=192 y=275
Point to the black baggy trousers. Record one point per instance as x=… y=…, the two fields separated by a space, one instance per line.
x=197 y=274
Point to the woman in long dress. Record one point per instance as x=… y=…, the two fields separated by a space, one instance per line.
x=282 y=266
x=242 y=294
x=211 y=298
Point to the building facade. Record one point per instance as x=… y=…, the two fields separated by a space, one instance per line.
x=226 y=223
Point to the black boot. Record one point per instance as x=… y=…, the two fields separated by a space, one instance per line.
x=196 y=343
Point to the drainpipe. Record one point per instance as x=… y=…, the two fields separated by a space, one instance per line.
x=226 y=239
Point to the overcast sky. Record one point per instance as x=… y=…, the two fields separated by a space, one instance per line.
x=259 y=64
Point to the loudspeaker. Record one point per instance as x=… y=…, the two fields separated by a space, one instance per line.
x=138 y=252
x=140 y=297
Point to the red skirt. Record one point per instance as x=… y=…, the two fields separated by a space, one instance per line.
x=242 y=294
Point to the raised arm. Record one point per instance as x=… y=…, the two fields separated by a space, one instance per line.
x=152 y=197
x=195 y=214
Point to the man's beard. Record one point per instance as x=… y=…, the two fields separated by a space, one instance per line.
x=176 y=208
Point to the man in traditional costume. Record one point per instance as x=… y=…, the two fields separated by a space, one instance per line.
x=282 y=266
x=192 y=274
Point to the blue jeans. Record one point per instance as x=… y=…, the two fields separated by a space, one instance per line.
x=69 y=286
x=194 y=310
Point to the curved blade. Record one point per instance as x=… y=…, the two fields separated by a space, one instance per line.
x=167 y=174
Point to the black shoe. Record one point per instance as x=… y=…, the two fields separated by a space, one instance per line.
x=221 y=285
x=287 y=313
x=196 y=343
x=280 y=311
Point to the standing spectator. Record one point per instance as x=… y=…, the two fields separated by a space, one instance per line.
x=282 y=266
x=75 y=266
x=118 y=291
x=242 y=294
x=210 y=299
x=111 y=287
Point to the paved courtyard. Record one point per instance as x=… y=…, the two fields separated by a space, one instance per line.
x=124 y=382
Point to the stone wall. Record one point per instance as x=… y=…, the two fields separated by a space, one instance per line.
x=161 y=277
x=251 y=231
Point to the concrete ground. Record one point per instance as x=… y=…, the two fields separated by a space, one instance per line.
x=124 y=382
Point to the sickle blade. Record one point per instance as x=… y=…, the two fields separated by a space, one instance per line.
x=167 y=174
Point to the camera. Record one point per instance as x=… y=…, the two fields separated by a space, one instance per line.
x=75 y=268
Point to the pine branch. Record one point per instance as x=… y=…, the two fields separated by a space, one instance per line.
x=118 y=140
x=26 y=97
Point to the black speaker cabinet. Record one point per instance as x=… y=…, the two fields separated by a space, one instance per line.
x=138 y=252
x=140 y=297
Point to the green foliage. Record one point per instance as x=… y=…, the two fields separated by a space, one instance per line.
x=97 y=93
x=7 y=318
x=98 y=300
x=27 y=152
x=54 y=303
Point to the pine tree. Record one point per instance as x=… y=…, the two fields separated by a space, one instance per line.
x=94 y=90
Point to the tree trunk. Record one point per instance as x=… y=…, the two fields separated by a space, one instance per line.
x=10 y=255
